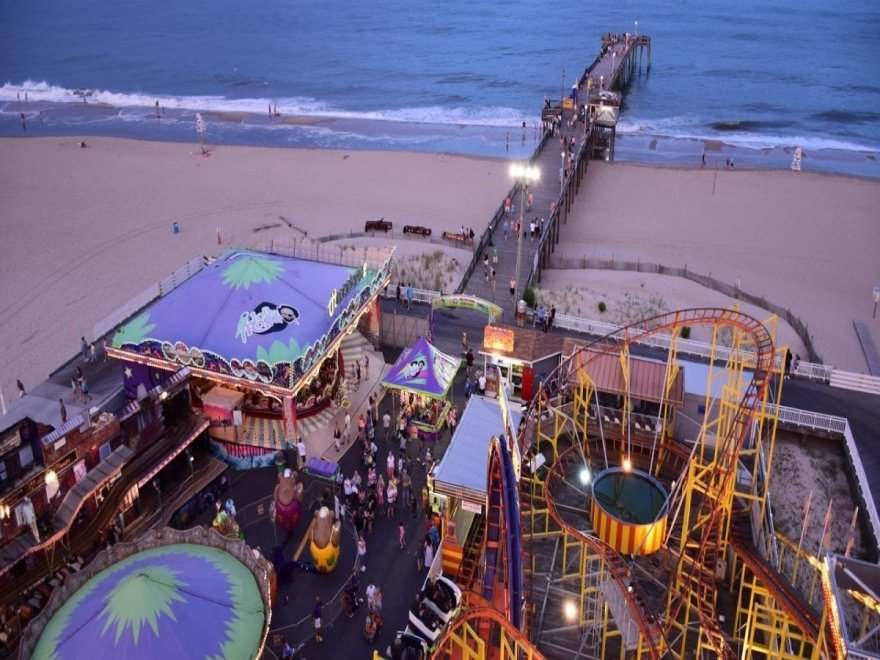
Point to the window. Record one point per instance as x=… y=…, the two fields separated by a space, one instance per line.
x=3 y=475
x=26 y=456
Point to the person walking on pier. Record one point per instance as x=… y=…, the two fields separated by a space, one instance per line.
x=506 y=228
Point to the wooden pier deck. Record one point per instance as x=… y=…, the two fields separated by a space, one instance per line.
x=619 y=60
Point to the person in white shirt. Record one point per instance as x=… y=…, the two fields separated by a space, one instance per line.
x=386 y=424
x=482 y=384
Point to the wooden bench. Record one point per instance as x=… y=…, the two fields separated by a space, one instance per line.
x=377 y=225
x=461 y=238
x=415 y=229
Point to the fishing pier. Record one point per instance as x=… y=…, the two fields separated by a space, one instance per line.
x=581 y=125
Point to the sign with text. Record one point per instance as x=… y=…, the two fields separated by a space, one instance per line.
x=497 y=338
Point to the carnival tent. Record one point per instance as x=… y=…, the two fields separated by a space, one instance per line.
x=423 y=369
x=177 y=601
x=260 y=317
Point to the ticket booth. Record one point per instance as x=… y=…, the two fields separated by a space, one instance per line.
x=524 y=356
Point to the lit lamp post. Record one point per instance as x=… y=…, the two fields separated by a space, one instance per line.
x=523 y=175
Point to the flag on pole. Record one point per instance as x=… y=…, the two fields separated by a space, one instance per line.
x=852 y=532
x=826 y=531
x=806 y=510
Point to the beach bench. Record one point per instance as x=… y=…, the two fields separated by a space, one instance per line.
x=416 y=229
x=460 y=238
x=377 y=225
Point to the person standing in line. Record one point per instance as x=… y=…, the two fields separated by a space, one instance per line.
x=63 y=411
x=362 y=553
x=317 y=610
x=386 y=424
x=301 y=451
x=21 y=391
x=389 y=465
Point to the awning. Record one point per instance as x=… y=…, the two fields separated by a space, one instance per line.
x=462 y=471
x=174 y=453
x=647 y=378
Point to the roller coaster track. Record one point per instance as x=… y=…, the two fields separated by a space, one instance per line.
x=696 y=565
x=795 y=607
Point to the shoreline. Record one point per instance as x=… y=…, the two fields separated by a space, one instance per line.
x=481 y=140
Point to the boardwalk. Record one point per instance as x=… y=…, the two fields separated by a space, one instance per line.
x=614 y=65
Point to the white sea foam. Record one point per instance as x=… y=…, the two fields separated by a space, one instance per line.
x=301 y=106
x=695 y=128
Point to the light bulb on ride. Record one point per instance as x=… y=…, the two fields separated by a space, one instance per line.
x=627 y=464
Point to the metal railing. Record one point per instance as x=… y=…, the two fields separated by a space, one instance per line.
x=421 y=296
x=809 y=420
x=730 y=290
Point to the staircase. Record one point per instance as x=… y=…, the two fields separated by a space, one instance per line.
x=352 y=348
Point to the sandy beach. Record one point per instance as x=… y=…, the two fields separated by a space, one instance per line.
x=84 y=230
x=804 y=241
x=87 y=229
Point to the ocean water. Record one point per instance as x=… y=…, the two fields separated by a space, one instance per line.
x=758 y=77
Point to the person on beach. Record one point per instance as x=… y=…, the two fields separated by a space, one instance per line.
x=158 y=112
x=21 y=391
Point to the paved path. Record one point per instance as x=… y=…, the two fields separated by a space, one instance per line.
x=549 y=161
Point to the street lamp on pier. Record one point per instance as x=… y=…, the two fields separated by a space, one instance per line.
x=523 y=175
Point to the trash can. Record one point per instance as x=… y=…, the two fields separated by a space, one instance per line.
x=175 y=228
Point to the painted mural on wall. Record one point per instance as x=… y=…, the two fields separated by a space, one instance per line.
x=261 y=317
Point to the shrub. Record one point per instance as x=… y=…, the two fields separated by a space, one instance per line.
x=602 y=306
x=685 y=332
x=529 y=297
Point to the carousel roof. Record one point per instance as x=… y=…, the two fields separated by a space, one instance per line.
x=258 y=316
x=423 y=369
x=176 y=601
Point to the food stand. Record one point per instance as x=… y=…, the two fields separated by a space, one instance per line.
x=523 y=357
x=422 y=378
